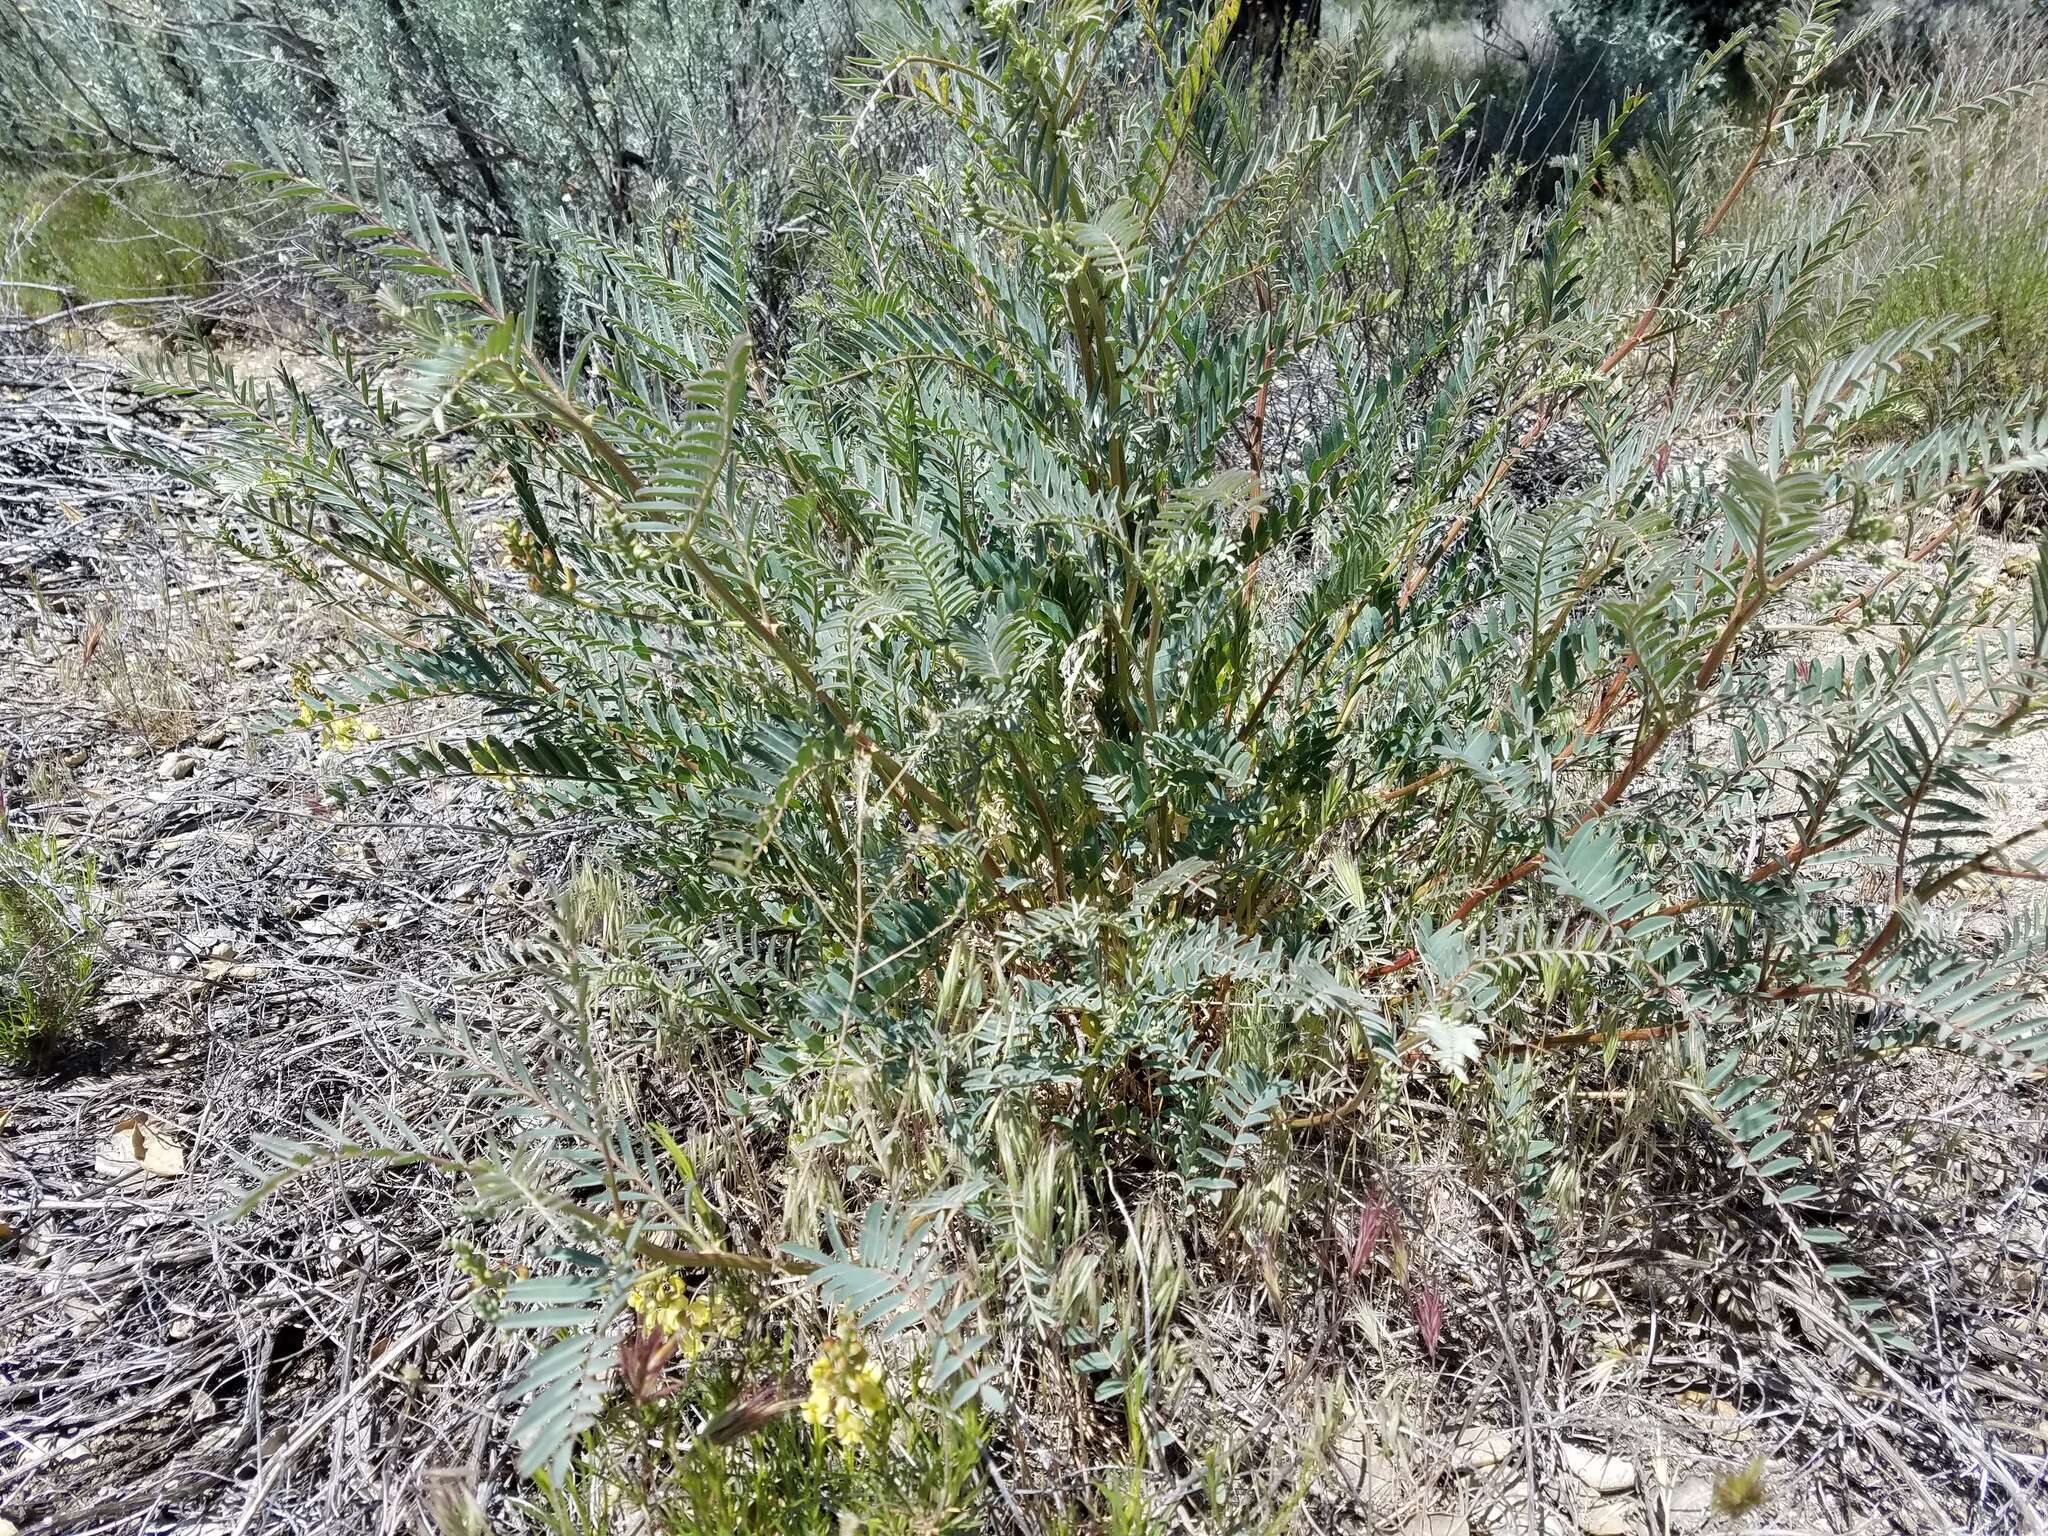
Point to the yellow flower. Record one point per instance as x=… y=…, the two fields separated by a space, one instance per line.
x=662 y=1300
x=846 y=1390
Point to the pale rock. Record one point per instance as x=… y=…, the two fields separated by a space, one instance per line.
x=1480 y=1448
x=1600 y=1472
x=340 y=920
x=1357 y=1461
x=134 y=987
x=1512 y=1511
x=1610 y=1517
x=1592 y=1291
x=1687 y=1505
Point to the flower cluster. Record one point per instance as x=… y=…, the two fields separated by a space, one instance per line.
x=540 y=561
x=341 y=733
x=846 y=1390
x=662 y=1301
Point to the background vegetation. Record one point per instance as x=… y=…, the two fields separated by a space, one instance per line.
x=1138 y=626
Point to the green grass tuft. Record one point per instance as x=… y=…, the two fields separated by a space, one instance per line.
x=1991 y=265
x=50 y=912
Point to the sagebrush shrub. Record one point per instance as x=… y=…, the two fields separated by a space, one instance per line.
x=1060 y=792
x=504 y=114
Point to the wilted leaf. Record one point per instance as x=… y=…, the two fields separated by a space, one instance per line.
x=135 y=1144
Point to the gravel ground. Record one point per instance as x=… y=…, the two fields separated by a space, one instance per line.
x=164 y=1369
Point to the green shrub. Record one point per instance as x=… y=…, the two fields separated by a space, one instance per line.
x=1542 y=73
x=1945 y=226
x=1061 y=794
x=50 y=913
x=100 y=238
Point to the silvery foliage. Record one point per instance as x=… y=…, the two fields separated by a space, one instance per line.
x=505 y=111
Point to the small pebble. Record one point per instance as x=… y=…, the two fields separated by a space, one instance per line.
x=1610 y=1517
x=1479 y=1449
x=1690 y=1503
x=1599 y=1472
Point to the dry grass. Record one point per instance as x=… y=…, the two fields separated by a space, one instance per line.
x=267 y=947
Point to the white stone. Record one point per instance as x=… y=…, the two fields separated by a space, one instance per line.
x=1687 y=1506
x=1598 y=1471
x=1480 y=1448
